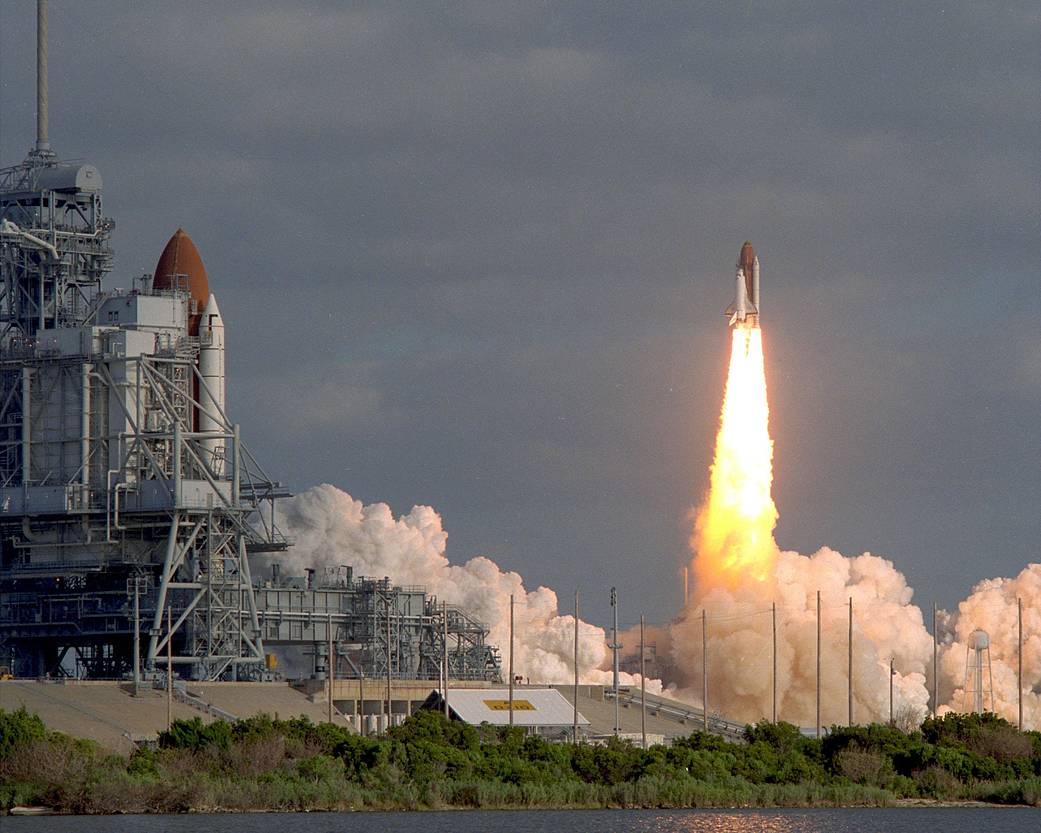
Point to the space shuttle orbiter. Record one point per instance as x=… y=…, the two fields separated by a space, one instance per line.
x=745 y=308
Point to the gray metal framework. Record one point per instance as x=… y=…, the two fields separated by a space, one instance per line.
x=117 y=513
x=103 y=476
x=299 y=612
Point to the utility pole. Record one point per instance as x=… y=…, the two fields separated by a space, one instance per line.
x=511 y=659
x=892 y=673
x=441 y=669
x=1019 y=654
x=444 y=626
x=849 y=720
x=331 y=668
x=818 y=663
x=643 y=689
x=169 y=668
x=773 y=612
x=614 y=647
x=575 y=727
x=936 y=679
x=704 y=669
x=136 y=583
x=361 y=702
x=686 y=587
x=389 y=672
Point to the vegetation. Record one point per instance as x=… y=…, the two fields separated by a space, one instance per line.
x=428 y=762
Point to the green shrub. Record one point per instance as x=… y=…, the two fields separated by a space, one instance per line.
x=195 y=735
x=428 y=762
x=937 y=782
x=18 y=728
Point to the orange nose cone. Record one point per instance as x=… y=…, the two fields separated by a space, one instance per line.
x=746 y=258
x=180 y=261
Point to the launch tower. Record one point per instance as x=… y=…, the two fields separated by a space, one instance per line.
x=129 y=506
x=123 y=485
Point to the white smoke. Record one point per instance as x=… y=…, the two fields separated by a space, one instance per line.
x=992 y=607
x=330 y=528
x=886 y=626
x=740 y=642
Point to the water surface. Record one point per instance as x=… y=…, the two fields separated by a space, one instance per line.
x=895 y=820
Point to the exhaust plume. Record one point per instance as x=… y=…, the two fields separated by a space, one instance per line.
x=741 y=574
x=733 y=535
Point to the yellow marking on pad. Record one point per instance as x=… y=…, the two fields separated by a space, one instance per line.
x=504 y=705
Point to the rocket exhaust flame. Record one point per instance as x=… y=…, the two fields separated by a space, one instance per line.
x=741 y=573
x=733 y=536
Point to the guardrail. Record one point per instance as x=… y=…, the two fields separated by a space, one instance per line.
x=182 y=695
x=682 y=714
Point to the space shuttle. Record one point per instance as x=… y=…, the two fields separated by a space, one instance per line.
x=745 y=308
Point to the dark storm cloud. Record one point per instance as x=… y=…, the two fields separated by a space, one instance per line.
x=475 y=255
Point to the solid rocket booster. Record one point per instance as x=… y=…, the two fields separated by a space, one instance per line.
x=211 y=392
x=745 y=308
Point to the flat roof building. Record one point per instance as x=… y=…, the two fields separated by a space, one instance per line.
x=542 y=711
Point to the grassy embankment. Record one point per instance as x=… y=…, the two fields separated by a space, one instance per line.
x=263 y=763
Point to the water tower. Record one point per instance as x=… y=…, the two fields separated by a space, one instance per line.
x=979 y=682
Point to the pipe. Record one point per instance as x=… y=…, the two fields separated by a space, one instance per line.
x=85 y=439
x=108 y=506
x=236 y=467
x=27 y=530
x=9 y=229
x=26 y=425
x=126 y=487
x=175 y=466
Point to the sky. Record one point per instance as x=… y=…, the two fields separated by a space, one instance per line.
x=475 y=255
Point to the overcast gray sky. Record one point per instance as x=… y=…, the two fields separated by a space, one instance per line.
x=476 y=255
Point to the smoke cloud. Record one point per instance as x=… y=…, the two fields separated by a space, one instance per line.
x=740 y=642
x=867 y=622
x=331 y=528
x=992 y=607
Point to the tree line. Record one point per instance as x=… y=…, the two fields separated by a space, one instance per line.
x=429 y=762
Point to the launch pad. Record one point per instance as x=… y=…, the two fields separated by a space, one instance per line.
x=129 y=505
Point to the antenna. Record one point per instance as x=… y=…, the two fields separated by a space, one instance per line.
x=43 y=144
x=614 y=646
